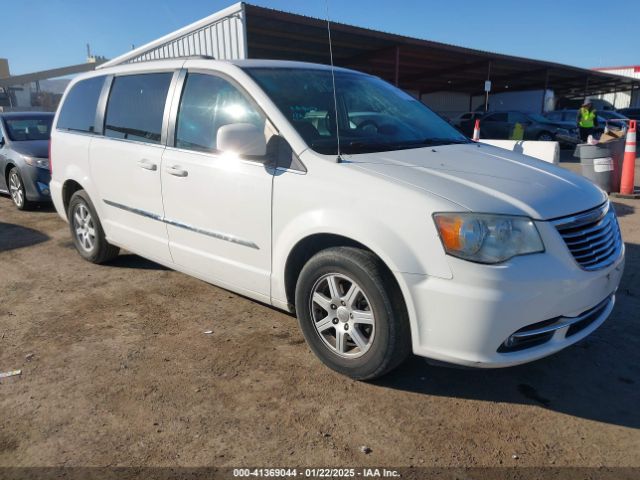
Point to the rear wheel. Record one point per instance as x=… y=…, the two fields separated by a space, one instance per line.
x=545 y=137
x=352 y=314
x=17 y=190
x=86 y=230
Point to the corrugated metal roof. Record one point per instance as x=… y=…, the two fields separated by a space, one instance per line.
x=221 y=35
x=631 y=72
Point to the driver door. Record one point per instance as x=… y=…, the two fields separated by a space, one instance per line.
x=217 y=206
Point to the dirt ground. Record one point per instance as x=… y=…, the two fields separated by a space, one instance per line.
x=117 y=370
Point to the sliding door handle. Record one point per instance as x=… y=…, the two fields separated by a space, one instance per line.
x=176 y=171
x=147 y=165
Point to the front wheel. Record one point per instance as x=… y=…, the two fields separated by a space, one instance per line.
x=545 y=137
x=352 y=314
x=86 y=230
x=17 y=190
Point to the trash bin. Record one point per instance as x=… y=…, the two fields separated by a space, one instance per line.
x=602 y=163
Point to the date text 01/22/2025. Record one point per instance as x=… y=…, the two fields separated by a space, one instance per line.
x=316 y=472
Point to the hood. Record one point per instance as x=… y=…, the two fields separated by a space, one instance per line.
x=565 y=125
x=32 y=148
x=487 y=179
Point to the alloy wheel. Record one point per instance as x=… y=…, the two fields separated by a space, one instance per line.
x=16 y=189
x=84 y=227
x=545 y=137
x=342 y=315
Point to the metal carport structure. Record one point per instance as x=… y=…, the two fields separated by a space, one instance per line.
x=420 y=66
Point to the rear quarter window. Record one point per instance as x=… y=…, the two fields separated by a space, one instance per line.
x=78 y=112
x=136 y=107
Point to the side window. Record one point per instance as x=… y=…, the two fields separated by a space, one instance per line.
x=209 y=102
x=496 y=117
x=78 y=112
x=517 y=117
x=136 y=107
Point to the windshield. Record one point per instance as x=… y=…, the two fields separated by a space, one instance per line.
x=538 y=118
x=21 y=129
x=373 y=116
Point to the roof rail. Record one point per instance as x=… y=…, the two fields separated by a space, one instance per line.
x=184 y=57
x=197 y=57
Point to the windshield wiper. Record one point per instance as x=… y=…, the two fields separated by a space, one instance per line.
x=443 y=141
x=359 y=146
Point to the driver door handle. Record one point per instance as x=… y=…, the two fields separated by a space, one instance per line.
x=176 y=171
x=147 y=165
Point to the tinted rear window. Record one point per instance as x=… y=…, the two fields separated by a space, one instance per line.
x=496 y=117
x=78 y=112
x=28 y=128
x=136 y=107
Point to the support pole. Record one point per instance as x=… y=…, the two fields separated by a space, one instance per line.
x=397 y=78
x=586 y=88
x=486 y=94
x=544 y=91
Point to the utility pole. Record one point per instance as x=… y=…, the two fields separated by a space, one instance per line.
x=487 y=87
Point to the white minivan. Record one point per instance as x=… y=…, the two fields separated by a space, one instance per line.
x=381 y=226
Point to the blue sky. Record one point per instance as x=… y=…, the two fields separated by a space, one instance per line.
x=42 y=34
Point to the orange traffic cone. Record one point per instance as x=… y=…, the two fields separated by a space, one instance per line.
x=629 y=162
x=476 y=131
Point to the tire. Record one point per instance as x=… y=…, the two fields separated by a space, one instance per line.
x=86 y=230
x=376 y=316
x=545 y=137
x=17 y=190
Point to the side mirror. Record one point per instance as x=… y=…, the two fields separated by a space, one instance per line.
x=241 y=139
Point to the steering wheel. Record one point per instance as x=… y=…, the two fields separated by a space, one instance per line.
x=367 y=125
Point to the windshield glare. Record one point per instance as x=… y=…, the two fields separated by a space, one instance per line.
x=372 y=115
x=21 y=129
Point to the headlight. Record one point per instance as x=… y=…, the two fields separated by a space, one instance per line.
x=42 y=163
x=37 y=162
x=486 y=238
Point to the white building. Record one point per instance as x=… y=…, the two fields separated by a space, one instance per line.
x=623 y=98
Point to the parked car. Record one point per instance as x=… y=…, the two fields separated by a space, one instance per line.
x=381 y=226
x=466 y=122
x=24 y=157
x=632 y=113
x=604 y=118
x=501 y=125
x=574 y=104
x=614 y=119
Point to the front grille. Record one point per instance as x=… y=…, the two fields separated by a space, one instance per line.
x=593 y=237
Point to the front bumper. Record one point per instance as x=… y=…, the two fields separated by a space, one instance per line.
x=467 y=320
x=36 y=183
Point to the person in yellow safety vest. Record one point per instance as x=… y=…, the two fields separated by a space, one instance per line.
x=587 y=120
